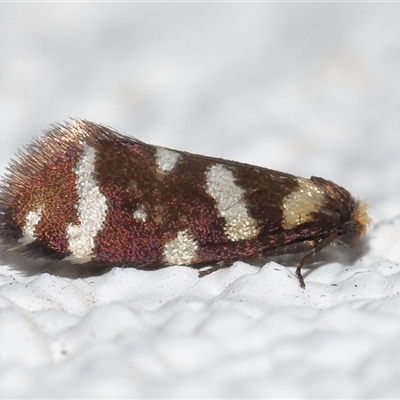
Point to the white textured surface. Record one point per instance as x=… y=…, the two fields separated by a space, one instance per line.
x=308 y=88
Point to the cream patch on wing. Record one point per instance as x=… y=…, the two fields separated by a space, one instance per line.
x=31 y=220
x=181 y=250
x=221 y=186
x=166 y=159
x=298 y=205
x=91 y=209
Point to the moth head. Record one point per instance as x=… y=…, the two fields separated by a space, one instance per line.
x=356 y=226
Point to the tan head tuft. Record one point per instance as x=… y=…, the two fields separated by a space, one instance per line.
x=361 y=216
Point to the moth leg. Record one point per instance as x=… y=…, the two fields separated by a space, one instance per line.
x=217 y=266
x=299 y=275
x=317 y=248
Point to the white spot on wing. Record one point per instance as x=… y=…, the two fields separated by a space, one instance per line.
x=182 y=250
x=140 y=214
x=32 y=219
x=166 y=159
x=222 y=188
x=298 y=205
x=91 y=209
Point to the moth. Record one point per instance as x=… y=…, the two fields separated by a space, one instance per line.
x=84 y=193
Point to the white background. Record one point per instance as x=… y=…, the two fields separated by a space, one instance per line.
x=306 y=88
